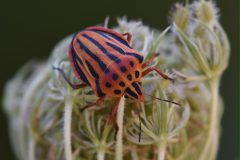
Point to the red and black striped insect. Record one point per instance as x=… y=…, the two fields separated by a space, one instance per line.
x=104 y=60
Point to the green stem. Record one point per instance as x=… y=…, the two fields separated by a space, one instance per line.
x=67 y=129
x=161 y=151
x=119 y=142
x=100 y=155
x=213 y=126
x=31 y=149
x=134 y=154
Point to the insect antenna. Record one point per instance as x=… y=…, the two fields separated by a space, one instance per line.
x=164 y=100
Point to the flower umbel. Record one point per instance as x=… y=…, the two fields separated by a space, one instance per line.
x=44 y=111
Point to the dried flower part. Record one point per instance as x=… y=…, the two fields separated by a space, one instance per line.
x=181 y=16
x=206 y=11
x=142 y=35
x=44 y=111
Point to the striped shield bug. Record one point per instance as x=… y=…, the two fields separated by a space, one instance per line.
x=104 y=60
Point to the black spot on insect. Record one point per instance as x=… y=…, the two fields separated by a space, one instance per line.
x=129 y=77
x=123 y=69
x=131 y=63
x=136 y=74
x=108 y=85
x=114 y=76
x=134 y=84
x=131 y=93
x=117 y=91
x=126 y=96
x=122 y=84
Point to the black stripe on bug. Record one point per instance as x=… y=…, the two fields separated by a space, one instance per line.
x=102 y=65
x=97 y=44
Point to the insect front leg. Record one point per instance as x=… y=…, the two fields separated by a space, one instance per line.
x=162 y=74
x=149 y=61
x=129 y=36
x=74 y=86
x=98 y=102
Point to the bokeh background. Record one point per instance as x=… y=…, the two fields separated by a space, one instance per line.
x=30 y=30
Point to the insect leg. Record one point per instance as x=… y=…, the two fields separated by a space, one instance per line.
x=98 y=102
x=149 y=61
x=129 y=36
x=74 y=86
x=162 y=74
x=113 y=115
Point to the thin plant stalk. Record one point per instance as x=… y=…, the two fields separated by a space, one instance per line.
x=119 y=142
x=214 y=84
x=134 y=154
x=31 y=150
x=161 y=152
x=67 y=129
x=100 y=155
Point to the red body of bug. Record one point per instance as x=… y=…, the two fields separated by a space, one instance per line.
x=104 y=60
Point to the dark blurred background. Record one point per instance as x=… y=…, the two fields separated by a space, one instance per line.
x=30 y=29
